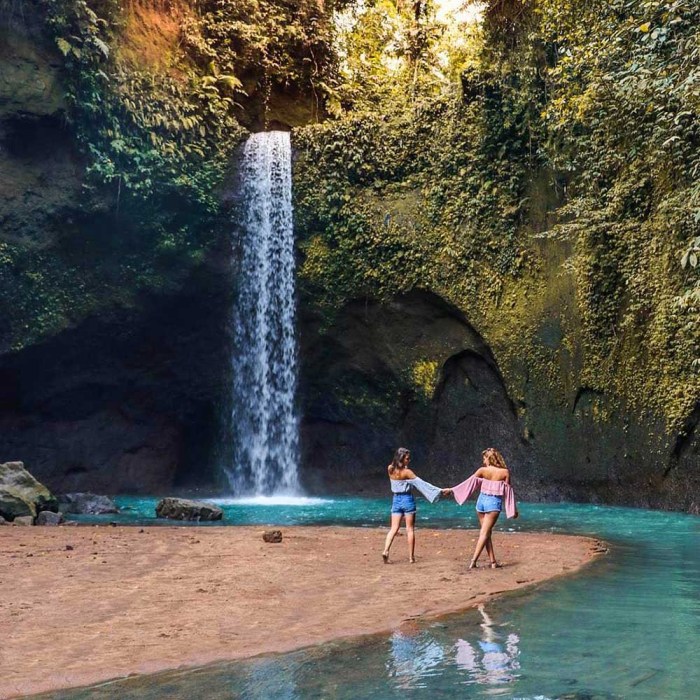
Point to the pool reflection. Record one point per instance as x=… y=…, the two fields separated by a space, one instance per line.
x=485 y=654
x=493 y=658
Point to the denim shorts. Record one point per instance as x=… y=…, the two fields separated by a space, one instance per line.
x=487 y=504
x=403 y=504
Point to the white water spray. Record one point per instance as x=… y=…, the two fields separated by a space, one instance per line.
x=264 y=420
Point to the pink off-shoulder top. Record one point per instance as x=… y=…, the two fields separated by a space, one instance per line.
x=462 y=491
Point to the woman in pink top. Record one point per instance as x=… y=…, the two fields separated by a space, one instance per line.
x=494 y=479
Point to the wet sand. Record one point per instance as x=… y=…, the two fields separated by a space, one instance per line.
x=81 y=605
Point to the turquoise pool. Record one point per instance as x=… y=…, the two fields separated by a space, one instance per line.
x=626 y=627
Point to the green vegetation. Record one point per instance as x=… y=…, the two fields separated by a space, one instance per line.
x=539 y=169
x=157 y=91
x=558 y=178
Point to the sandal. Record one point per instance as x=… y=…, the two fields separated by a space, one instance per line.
x=495 y=565
x=385 y=557
x=472 y=564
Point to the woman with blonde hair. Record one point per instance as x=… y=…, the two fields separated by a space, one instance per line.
x=492 y=478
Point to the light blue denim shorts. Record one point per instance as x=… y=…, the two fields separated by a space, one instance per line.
x=487 y=504
x=403 y=504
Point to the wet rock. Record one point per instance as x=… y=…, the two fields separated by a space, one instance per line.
x=21 y=494
x=184 y=509
x=87 y=504
x=46 y=517
x=30 y=79
x=272 y=536
x=2 y=521
x=24 y=520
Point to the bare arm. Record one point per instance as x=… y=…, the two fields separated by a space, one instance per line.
x=507 y=480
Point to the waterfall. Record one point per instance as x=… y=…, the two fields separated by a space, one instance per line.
x=264 y=425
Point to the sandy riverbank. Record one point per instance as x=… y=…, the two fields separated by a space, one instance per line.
x=85 y=604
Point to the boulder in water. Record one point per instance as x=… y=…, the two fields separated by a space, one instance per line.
x=87 y=504
x=46 y=517
x=184 y=509
x=272 y=536
x=21 y=494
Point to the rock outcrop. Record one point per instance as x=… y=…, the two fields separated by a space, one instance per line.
x=46 y=517
x=134 y=407
x=87 y=504
x=412 y=372
x=104 y=386
x=184 y=509
x=21 y=494
x=12 y=506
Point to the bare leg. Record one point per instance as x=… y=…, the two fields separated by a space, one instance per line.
x=472 y=564
x=489 y=543
x=395 y=525
x=487 y=522
x=410 y=521
x=491 y=552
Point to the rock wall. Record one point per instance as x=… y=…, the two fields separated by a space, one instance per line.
x=434 y=313
x=409 y=372
x=113 y=341
x=126 y=402
x=416 y=371
x=587 y=397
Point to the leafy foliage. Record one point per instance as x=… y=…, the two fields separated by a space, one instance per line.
x=153 y=134
x=421 y=200
x=263 y=46
x=576 y=122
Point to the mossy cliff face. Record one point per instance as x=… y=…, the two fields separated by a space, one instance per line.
x=561 y=251
x=409 y=371
x=74 y=242
x=578 y=415
x=94 y=320
x=118 y=126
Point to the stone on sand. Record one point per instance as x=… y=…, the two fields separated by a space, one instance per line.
x=46 y=517
x=21 y=494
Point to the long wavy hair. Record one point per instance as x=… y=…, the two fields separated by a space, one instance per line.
x=491 y=457
x=399 y=457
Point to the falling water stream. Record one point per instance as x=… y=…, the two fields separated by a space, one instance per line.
x=263 y=422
